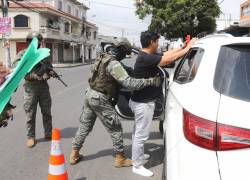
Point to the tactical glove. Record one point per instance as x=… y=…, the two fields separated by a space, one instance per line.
x=6 y=115
x=45 y=76
x=155 y=81
x=33 y=76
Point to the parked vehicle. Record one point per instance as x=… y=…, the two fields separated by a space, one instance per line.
x=207 y=127
x=175 y=43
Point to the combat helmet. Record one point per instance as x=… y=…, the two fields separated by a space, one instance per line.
x=123 y=44
x=33 y=34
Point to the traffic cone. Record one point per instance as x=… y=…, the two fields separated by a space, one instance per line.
x=57 y=169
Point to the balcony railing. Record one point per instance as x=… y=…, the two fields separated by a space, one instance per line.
x=59 y=34
x=47 y=32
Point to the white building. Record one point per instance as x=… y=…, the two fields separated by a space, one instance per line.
x=245 y=14
x=61 y=22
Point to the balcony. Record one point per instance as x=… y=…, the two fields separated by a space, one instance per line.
x=76 y=37
x=50 y=32
x=59 y=34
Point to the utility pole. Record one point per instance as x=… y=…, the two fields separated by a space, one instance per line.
x=123 y=32
x=5 y=36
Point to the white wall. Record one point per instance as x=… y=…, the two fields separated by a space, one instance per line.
x=12 y=52
x=19 y=34
x=55 y=52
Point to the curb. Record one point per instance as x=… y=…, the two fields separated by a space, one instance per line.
x=62 y=65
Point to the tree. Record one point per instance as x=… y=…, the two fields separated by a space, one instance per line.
x=177 y=18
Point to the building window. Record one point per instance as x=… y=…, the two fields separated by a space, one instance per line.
x=88 y=33
x=53 y=24
x=60 y=5
x=21 y=21
x=95 y=33
x=69 y=9
x=66 y=27
x=246 y=10
x=83 y=15
x=77 y=13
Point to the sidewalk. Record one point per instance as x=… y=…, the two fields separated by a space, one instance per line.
x=68 y=65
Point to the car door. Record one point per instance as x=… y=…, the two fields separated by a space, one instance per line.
x=123 y=109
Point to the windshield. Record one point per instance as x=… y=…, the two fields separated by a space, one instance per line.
x=232 y=74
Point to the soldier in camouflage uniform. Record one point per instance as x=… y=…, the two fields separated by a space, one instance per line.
x=108 y=75
x=36 y=91
x=7 y=113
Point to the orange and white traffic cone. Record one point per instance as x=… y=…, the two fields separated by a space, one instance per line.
x=57 y=169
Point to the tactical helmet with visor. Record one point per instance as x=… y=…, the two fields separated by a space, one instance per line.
x=33 y=34
x=124 y=46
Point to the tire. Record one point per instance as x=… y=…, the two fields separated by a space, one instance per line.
x=161 y=127
x=163 y=175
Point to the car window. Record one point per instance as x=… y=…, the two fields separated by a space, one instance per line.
x=232 y=74
x=188 y=66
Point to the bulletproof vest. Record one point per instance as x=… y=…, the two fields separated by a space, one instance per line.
x=101 y=80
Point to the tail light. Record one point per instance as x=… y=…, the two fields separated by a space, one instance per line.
x=214 y=136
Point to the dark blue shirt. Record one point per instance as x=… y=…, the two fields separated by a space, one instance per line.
x=146 y=67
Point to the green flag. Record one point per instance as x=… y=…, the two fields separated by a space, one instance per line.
x=31 y=57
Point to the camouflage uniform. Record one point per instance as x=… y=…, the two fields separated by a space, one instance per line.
x=36 y=90
x=98 y=100
x=6 y=113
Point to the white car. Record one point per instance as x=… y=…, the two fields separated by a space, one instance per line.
x=207 y=114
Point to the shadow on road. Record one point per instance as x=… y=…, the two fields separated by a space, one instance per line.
x=156 y=152
x=84 y=178
x=68 y=132
x=106 y=152
x=152 y=136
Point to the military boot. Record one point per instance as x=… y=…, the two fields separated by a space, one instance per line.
x=121 y=161
x=75 y=156
x=47 y=137
x=31 y=142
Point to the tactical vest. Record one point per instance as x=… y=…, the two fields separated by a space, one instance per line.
x=36 y=69
x=101 y=80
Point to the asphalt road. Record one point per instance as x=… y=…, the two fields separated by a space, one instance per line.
x=20 y=163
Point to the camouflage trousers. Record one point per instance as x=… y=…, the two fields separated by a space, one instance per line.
x=97 y=105
x=37 y=92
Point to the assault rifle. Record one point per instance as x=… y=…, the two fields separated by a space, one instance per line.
x=44 y=67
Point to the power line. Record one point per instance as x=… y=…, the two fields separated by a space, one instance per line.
x=29 y=8
x=115 y=27
x=221 y=1
x=120 y=21
x=108 y=4
x=227 y=19
x=111 y=26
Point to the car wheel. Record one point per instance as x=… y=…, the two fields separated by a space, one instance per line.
x=161 y=127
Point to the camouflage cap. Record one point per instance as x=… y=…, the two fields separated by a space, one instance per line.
x=33 y=34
